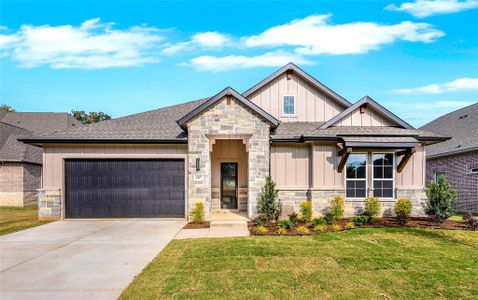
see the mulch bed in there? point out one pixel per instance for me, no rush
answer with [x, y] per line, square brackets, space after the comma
[376, 223]
[192, 225]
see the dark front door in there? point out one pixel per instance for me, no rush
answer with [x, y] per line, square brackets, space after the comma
[229, 185]
[124, 188]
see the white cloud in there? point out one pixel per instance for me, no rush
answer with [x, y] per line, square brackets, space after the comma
[426, 8]
[315, 35]
[461, 84]
[92, 45]
[208, 40]
[225, 63]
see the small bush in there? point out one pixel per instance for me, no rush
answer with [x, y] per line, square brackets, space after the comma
[267, 203]
[319, 221]
[286, 224]
[471, 221]
[403, 209]
[360, 220]
[440, 199]
[302, 230]
[262, 219]
[372, 207]
[281, 231]
[335, 227]
[306, 211]
[349, 225]
[262, 229]
[197, 213]
[336, 209]
[329, 218]
[294, 217]
[320, 228]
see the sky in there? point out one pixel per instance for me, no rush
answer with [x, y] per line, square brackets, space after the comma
[418, 58]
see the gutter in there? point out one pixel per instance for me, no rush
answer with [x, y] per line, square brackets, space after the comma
[35, 142]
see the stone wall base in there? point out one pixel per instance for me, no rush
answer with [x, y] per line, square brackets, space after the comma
[49, 204]
[20, 199]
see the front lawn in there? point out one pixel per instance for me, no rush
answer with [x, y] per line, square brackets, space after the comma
[18, 218]
[372, 263]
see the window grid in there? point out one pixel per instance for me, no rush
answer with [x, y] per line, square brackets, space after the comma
[383, 178]
[356, 176]
[288, 105]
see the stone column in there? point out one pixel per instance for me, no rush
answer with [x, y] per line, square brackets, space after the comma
[49, 204]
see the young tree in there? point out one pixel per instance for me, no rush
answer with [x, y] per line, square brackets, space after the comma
[91, 117]
[440, 199]
[268, 204]
[7, 108]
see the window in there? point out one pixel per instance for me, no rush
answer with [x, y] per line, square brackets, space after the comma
[474, 170]
[383, 175]
[356, 176]
[288, 105]
[438, 175]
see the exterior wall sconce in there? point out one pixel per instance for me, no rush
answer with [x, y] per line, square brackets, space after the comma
[198, 164]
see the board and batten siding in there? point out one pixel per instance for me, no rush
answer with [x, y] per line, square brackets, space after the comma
[311, 104]
[54, 155]
[413, 176]
[290, 166]
[368, 118]
[228, 151]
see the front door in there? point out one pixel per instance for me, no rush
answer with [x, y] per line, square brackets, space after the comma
[229, 185]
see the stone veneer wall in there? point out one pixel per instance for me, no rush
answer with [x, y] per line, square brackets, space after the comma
[226, 118]
[49, 204]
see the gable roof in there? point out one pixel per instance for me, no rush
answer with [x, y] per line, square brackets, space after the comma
[39, 122]
[11, 150]
[227, 92]
[372, 103]
[461, 125]
[314, 82]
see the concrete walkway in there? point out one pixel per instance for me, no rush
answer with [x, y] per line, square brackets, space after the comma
[223, 224]
[79, 259]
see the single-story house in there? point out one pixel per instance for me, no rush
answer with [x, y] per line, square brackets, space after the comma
[314, 143]
[457, 158]
[21, 164]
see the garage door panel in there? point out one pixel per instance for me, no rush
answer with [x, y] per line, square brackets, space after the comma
[124, 188]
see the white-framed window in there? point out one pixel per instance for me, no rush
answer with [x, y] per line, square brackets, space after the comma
[288, 105]
[474, 170]
[356, 176]
[383, 179]
[438, 175]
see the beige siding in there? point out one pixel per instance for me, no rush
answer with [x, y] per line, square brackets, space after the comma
[229, 151]
[413, 175]
[290, 166]
[54, 155]
[311, 104]
[368, 118]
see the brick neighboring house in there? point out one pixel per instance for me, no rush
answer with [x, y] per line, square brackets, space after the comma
[457, 158]
[21, 164]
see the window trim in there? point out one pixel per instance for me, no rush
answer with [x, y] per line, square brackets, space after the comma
[435, 175]
[388, 179]
[283, 106]
[471, 170]
[355, 179]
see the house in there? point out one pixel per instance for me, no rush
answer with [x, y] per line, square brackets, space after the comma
[219, 150]
[21, 164]
[457, 158]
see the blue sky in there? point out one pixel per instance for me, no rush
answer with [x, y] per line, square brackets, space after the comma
[418, 58]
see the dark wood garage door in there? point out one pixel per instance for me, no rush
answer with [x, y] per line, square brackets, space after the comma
[117, 188]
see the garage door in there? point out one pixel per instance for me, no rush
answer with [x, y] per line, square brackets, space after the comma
[116, 188]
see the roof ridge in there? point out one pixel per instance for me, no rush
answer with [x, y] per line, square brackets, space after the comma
[448, 113]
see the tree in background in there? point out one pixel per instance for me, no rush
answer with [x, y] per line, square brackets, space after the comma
[91, 117]
[7, 108]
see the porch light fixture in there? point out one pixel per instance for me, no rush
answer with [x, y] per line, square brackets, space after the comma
[198, 166]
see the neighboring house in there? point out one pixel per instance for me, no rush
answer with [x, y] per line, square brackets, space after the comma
[457, 158]
[219, 150]
[21, 164]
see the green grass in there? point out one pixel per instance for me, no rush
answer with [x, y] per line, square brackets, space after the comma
[18, 218]
[398, 263]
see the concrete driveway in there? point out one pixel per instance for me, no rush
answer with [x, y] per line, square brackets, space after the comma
[79, 259]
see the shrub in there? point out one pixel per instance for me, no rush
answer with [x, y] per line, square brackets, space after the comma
[262, 229]
[262, 219]
[349, 225]
[306, 211]
[335, 227]
[197, 213]
[440, 199]
[360, 220]
[471, 220]
[319, 221]
[372, 207]
[281, 231]
[320, 228]
[336, 210]
[267, 203]
[287, 224]
[302, 230]
[403, 209]
[294, 217]
[329, 218]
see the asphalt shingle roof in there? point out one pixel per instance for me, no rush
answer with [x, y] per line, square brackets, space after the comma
[461, 125]
[13, 150]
